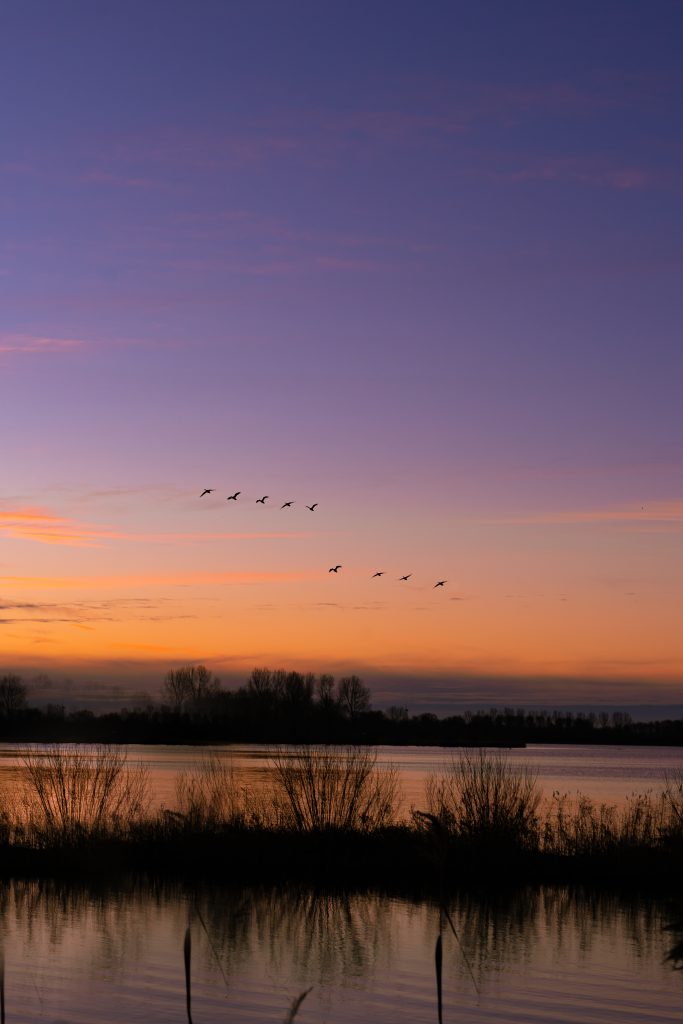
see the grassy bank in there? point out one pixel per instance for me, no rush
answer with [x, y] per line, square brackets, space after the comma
[330, 818]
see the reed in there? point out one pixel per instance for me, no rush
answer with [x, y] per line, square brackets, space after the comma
[208, 797]
[579, 827]
[438, 964]
[482, 797]
[68, 795]
[295, 1006]
[673, 797]
[187, 959]
[333, 788]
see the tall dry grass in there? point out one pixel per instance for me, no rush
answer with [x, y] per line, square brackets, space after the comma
[673, 796]
[68, 794]
[577, 826]
[480, 796]
[208, 797]
[316, 789]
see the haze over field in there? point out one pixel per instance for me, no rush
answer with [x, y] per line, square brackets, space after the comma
[418, 265]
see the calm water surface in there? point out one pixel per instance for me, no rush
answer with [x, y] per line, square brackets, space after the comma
[542, 955]
[605, 773]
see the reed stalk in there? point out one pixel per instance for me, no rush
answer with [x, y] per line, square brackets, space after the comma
[482, 797]
[208, 797]
[333, 788]
[70, 794]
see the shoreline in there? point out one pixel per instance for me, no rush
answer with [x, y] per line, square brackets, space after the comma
[400, 859]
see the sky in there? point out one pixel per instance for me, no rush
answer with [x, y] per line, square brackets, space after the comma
[418, 263]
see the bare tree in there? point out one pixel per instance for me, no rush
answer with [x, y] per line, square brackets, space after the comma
[187, 687]
[354, 696]
[298, 689]
[260, 683]
[12, 695]
[326, 691]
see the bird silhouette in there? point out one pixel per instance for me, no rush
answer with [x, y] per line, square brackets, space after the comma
[312, 507]
[439, 584]
[207, 490]
[287, 504]
[262, 501]
[378, 574]
[406, 577]
[233, 497]
[334, 568]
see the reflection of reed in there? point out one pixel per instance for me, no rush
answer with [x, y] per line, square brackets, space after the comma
[323, 937]
[501, 929]
[48, 910]
[674, 954]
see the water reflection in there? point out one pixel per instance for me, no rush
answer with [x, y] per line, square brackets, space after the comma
[675, 953]
[99, 954]
[506, 930]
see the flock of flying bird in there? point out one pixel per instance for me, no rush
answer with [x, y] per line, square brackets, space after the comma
[312, 508]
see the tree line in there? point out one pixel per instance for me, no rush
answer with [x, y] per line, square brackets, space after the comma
[280, 706]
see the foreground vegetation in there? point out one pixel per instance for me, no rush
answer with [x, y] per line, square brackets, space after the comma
[330, 815]
[291, 707]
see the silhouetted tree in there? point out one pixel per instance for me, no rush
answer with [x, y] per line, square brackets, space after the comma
[187, 687]
[397, 713]
[260, 683]
[354, 696]
[326, 691]
[12, 695]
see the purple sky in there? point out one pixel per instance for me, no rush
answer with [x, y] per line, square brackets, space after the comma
[420, 263]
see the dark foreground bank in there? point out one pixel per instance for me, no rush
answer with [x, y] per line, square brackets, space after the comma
[401, 860]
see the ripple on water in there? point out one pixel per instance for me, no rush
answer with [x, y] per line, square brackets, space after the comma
[539, 955]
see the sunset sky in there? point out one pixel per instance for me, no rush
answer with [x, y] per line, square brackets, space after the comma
[419, 263]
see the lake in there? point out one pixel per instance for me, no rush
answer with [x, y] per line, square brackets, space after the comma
[605, 773]
[545, 955]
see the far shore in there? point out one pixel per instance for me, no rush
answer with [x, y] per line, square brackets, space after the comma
[287, 707]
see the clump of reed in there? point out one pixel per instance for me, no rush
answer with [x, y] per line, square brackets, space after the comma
[69, 794]
[579, 827]
[317, 789]
[481, 798]
[209, 799]
[673, 797]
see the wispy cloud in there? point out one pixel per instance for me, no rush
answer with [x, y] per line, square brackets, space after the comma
[651, 516]
[25, 344]
[590, 171]
[84, 612]
[97, 177]
[46, 527]
[127, 581]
